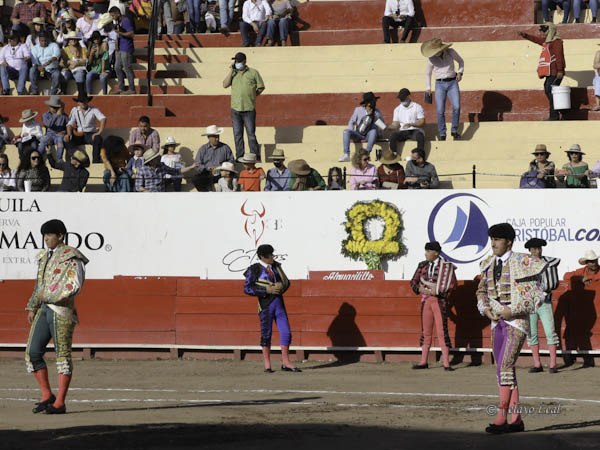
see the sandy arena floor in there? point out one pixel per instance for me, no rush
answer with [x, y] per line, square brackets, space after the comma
[234, 405]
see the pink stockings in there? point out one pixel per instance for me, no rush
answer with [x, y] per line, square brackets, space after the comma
[432, 315]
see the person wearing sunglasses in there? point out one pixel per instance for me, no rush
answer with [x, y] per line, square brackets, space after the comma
[363, 175]
[33, 169]
[8, 178]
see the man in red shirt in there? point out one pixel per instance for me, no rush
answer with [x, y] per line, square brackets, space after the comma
[552, 63]
[24, 13]
[590, 272]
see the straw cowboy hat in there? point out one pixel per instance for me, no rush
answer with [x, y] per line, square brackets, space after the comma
[589, 255]
[104, 20]
[228, 166]
[430, 48]
[38, 21]
[575, 148]
[149, 155]
[66, 17]
[54, 101]
[389, 158]
[299, 167]
[212, 130]
[135, 145]
[248, 158]
[541, 148]
[277, 155]
[80, 156]
[72, 36]
[27, 115]
[170, 140]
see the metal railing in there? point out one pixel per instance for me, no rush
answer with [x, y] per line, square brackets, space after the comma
[152, 33]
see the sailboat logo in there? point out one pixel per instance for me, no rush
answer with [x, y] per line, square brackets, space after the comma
[459, 224]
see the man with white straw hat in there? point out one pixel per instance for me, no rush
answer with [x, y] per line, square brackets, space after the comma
[278, 177]
[251, 176]
[31, 132]
[55, 120]
[44, 63]
[209, 157]
[440, 63]
[590, 273]
[151, 177]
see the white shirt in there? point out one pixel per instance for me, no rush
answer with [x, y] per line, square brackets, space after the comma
[409, 114]
[85, 121]
[256, 12]
[400, 7]
[15, 56]
[173, 161]
[8, 179]
[32, 129]
[85, 28]
[443, 67]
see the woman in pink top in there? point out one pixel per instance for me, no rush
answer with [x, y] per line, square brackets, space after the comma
[363, 175]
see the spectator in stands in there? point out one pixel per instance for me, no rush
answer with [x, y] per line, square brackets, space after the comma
[45, 64]
[75, 175]
[98, 63]
[60, 10]
[31, 132]
[8, 177]
[579, 5]
[419, 173]
[590, 273]
[282, 15]
[82, 129]
[279, 176]
[227, 182]
[24, 13]
[363, 175]
[440, 63]
[74, 62]
[251, 176]
[209, 157]
[174, 16]
[136, 161]
[226, 14]
[362, 125]
[304, 177]
[32, 171]
[38, 27]
[88, 23]
[547, 5]
[596, 82]
[552, 63]
[171, 159]
[335, 179]
[107, 30]
[151, 177]
[398, 13]
[141, 12]
[4, 139]
[145, 134]
[575, 170]
[14, 60]
[100, 6]
[115, 157]
[246, 84]
[409, 118]
[62, 30]
[196, 9]
[543, 167]
[124, 54]
[55, 120]
[390, 172]
[256, 15]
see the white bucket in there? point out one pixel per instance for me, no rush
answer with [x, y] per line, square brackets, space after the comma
[562, 97]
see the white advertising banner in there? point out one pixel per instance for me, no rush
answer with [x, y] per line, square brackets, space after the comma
[215, 235]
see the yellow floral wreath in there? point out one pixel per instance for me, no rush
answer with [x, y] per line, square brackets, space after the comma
[358, 247]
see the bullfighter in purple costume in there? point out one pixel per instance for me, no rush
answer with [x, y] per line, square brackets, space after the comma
[267, 281]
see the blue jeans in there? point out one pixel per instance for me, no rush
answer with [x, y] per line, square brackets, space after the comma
[226, 11]
[56, 139]
[577, 7]
[10, 73]
[354, 136]
[122, 183]
[241, 120]
[55, 77]
[267, 27]
[445, 89]
[31, 144]
[546, 4]
[91, 76]
[284, 26]
[194, 13]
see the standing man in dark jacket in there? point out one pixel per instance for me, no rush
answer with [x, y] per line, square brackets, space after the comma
[552, 63]
[267, 281]
[75, 175]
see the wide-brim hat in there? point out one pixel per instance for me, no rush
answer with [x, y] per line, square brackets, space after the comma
[277, 155]
[27, 115]
[575, 148]
[435, 45]
[82, 98]
[149, 155]
[132, 147]
[38, 21]
[389, 157]
[212, 130]
[72, 36]
[170, 140]
[368, 97]
[540, 148]
[299, 167]
[80, 156]
[104, 20]
[589, 255]
[249, 158]
[54, 101]
[228, 166]
[66, 17]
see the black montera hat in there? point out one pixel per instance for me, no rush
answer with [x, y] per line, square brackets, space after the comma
[536, 243]
[264, 250]
[502, 231]
[434, 245]
[54, 226]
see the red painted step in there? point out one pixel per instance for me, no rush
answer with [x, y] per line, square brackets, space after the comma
[141, 74]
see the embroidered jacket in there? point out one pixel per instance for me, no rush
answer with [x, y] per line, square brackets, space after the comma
[59, 279]
[518, 288]
[441, 281]
[257, 280]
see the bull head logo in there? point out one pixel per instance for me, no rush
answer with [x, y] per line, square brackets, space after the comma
[254, 226]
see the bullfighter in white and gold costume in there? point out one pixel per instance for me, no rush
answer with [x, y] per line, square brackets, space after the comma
[508, 292]
[52, 314]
